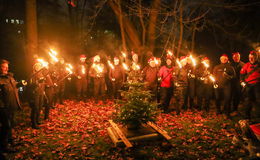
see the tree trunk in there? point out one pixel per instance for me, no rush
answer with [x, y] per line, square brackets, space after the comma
[31, 33]
[152, 24]
[128, 27]
[181, 29]
[122, 27]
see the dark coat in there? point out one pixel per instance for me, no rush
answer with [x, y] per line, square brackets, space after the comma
[9, 93]
[224, 73]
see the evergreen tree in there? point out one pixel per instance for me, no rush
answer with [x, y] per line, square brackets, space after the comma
[136, 107]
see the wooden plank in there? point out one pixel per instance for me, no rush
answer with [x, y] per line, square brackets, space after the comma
[120, 134]
[114, 131]
[112, 136]
[143, 137]
[159, 130]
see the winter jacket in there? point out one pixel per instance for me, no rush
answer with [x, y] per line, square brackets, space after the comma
[117, 73]
[150, 75]
[9, 98]
[224, 73]
[246, 75]
[166, 76]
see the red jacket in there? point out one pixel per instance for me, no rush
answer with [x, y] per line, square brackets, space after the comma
[166, 76]
[253, 77]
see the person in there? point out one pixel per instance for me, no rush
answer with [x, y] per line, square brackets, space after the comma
[82, 78]
[250, 75]
[150, 73]
[180, 85]
[36, 103]
[236, 87]
[191, 88]
[62, 73]
[49, 90]
[204, 88]
[117, 77]
[9, 104]
[134, 75]
[224, 73]
[97, 71]
[166, 78]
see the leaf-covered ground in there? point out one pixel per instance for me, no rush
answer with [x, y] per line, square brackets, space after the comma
[78, 130]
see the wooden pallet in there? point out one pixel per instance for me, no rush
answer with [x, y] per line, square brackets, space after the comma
[123, 136]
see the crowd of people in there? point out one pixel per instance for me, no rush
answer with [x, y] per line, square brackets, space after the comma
[184, 83]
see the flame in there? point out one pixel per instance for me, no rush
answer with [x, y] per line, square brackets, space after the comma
[110, 64]
[178, 62]
[83, 69]
[98, 68]
[53, 55]
[193, 60]
[69, 65]
[125, 66]
[169, 52]
[43, 63]
[53, 52]
[156, 61]
[69, 68]
[123, 54]
[205, 64]
[136, 67]
[212, 78]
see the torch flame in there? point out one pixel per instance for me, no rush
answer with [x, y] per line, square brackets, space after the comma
[169, 53]
[69, 65]
[156, 61]
[53, 55]
[125, 67]
[123, 54]
[205, 64]
[99, 68]
[179, 63]
[69, 68]
[136, 67]
[83, 69]
[212, 78]
[110, 64]
[43, 63]
[53, 52]
[193, 60]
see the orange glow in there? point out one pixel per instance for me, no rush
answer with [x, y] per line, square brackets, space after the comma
[125, 66]
[110, 64]
[193, 61]
[43, 63]
[53, 55]
[179, 63]
[205, 64]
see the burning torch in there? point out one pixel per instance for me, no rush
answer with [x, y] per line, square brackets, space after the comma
[178, 62]
[110, 64]
[125, 66]
[193, 60]
[53, 54]
[124, 54]
[69, 70]
[215, 85]
[44, 65]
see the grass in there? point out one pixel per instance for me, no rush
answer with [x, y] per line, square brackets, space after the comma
[77, 130]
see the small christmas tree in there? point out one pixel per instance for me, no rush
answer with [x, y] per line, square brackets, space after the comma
[136, 107]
